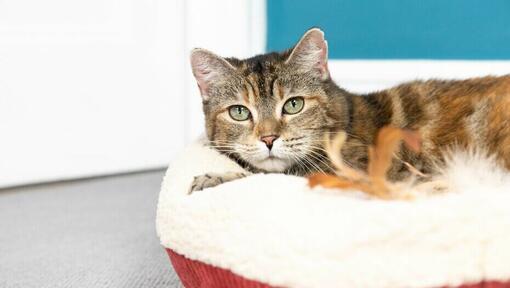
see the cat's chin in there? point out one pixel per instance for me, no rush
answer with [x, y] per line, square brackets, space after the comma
[272, 164]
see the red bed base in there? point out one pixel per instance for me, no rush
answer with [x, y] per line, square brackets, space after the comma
[196, 274]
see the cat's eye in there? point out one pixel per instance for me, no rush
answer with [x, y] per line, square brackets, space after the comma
[239, 112]
[293, 105]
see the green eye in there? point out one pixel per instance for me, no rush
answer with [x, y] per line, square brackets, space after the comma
[293, 105]
[239, 112]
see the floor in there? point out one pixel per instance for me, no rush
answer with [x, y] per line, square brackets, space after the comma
[86, 233]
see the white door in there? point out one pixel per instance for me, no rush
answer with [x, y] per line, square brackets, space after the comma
[89, 87]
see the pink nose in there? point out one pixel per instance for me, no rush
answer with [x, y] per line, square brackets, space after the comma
[268, 140]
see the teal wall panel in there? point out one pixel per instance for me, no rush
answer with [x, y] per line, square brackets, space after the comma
[396, 29]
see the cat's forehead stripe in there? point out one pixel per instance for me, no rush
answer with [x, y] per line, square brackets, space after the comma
[264, 86]
[255, 89]
[277, 89]
[246, 93]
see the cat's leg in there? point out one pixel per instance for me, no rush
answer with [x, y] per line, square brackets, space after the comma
[214, 179]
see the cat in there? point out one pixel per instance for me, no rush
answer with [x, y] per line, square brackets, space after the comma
[270, 113]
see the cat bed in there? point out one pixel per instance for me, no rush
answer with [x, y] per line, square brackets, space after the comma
[272, 230]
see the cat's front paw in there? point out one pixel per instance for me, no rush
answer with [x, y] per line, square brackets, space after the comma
[211, 180]
[205, 181]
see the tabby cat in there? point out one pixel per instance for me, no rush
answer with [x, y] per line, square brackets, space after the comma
[271, 112]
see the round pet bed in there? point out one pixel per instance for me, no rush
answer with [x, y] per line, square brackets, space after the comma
[272, 230]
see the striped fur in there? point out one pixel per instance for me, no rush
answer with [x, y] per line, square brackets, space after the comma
[470, 114]
[466, 114]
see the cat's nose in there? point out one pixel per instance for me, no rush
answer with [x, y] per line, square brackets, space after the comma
[268, 140]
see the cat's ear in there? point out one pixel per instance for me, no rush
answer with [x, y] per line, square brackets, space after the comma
[208, 68]
[311, 54]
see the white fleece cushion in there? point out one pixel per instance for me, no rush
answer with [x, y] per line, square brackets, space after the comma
[274, 229]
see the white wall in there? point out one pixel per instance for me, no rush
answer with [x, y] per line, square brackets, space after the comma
[371, 75]
[89, 87]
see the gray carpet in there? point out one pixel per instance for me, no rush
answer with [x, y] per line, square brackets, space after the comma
[87, 233]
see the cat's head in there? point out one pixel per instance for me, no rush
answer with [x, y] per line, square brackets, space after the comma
[269, 110]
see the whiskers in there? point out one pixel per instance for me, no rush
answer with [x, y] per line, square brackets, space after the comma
[308, 158]
[303, 154]
[321, 138]
[234, 148]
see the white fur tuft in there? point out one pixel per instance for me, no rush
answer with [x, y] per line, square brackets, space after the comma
[467, 171]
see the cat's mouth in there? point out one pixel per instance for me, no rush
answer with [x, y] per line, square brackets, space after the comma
[269, 160]
[272, 164]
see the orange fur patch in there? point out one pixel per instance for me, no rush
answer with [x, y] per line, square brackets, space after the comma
[380, 155]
